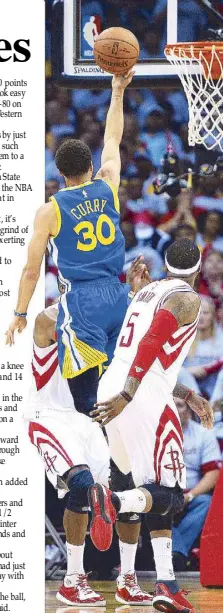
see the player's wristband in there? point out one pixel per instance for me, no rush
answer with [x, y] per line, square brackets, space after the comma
[126, 396]
[188, 395]
[19, 314]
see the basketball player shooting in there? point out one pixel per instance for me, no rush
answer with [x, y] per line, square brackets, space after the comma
[142, 421]
[81, 226]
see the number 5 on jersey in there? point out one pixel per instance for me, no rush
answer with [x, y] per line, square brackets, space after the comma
[91, 236]
[129, 331]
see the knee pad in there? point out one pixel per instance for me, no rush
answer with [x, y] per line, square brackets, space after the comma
[78, 484]
[165, 499]
[159, 522]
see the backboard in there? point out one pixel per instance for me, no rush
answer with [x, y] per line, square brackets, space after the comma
[74, 24]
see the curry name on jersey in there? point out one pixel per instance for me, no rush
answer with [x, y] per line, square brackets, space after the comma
[89, 243]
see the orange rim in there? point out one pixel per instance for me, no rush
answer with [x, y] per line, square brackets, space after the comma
[205, 52]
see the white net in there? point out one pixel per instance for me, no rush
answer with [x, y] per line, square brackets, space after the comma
[201, 75]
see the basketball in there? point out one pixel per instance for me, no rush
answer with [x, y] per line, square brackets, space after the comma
[116, 50]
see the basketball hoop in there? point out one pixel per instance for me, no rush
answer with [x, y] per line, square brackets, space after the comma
[200, 68]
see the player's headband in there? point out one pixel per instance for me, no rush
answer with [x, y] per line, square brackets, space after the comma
[185, 272]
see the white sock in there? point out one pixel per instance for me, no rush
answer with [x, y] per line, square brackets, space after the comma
[132, 500]
[162, 551]
[127, 557]
[75, 559]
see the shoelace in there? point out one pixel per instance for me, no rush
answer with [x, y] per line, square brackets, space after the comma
[131, 581]
[83, 584]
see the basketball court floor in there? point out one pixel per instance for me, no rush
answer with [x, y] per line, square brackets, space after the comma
[204, 600]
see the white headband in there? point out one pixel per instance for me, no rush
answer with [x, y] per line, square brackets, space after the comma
[185, 272]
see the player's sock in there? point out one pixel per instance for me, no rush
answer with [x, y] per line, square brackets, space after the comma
[130, 500]
[127, 557]
[162, 551]
[75, 560]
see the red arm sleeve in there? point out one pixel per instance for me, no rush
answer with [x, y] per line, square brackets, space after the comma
[163, 326]
[214, 367]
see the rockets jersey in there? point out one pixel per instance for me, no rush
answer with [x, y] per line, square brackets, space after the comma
[137, 322]
[89, 243]
[48, 390]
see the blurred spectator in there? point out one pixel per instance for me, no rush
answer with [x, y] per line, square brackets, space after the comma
[138, 206]
[127, 166]
[90, 99]
[189, 152]
[211, 280]
[207, 349]
[131, 132]
[202, 460]
[51, 187]
[123, 199]
[151, 258]
[211, 231]
[144, 168]
[184, 231]
[157, 135]
[152, 237]
[151, 47]
[93, 138]
[51, 288]
[51, 171]
[206, 197]
[179, 213]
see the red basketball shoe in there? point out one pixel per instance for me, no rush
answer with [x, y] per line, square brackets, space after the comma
[80, 594]
[129, 592]
[103, 516]
[165, 601]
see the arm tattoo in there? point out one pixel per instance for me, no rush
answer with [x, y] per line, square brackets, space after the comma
[131, 386]
[184, 306]
[180, 391]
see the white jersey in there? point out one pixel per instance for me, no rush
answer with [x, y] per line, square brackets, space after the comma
[49, 390]
[62, 436]
[138, 320]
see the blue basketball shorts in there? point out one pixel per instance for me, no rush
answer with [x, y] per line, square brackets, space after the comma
[89, 321]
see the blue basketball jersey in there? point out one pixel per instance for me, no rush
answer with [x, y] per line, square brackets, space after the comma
[89, 243]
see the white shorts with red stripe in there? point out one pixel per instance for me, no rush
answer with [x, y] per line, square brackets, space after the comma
[65, 439]
[146, 438]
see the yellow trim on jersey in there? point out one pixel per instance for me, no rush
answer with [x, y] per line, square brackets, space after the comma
[92, 357]
[58, 214]
[114, 192]
[64, 189]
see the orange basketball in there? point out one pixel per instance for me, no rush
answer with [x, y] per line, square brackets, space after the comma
[116, 50]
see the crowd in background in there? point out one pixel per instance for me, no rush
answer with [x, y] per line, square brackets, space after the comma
[156, 122]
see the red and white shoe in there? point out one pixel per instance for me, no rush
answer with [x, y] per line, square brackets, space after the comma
[81, 594]
[129, 592]
[165, 601]
[103, 516]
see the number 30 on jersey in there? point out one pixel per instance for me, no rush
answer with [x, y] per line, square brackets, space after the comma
[92, 235]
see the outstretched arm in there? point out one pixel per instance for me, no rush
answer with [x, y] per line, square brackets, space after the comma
[44, 225]
[110, 159]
